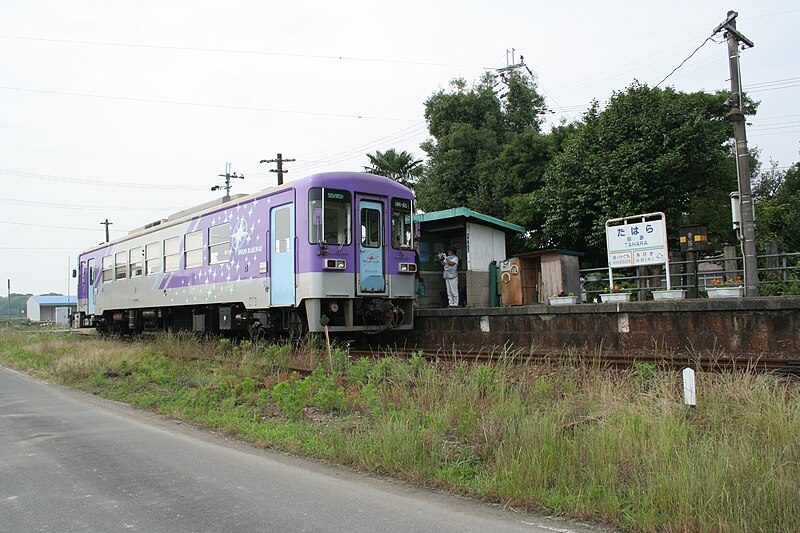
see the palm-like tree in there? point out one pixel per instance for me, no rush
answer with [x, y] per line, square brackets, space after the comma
[399, 166]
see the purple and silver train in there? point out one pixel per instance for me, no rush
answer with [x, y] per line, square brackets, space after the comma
[332, 249]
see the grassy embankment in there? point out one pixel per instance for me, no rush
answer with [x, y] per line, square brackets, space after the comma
[566, 438]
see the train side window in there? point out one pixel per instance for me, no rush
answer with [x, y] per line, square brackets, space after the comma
[120, 265]
[172, 254]
[136, 262]
[108, 268]
[370, 228]
[329, 223]
[193, 246]
[219, 244]
[401, 223]
[283, 230]
[152, 258]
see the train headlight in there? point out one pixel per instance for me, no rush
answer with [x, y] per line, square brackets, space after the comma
[333, 306]
[335, 264]
[408, 267]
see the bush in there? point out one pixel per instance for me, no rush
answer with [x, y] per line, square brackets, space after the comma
[317, 390]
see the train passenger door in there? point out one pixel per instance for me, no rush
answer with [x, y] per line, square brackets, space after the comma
[282, 271]
[90, 287]
[371, 260]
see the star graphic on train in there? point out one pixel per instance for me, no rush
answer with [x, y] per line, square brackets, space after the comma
[240, 234]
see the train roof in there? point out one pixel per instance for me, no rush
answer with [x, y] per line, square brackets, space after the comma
[327, 179]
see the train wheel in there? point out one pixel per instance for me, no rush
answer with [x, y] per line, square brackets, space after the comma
[297, 328]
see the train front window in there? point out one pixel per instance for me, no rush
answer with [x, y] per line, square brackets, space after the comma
[401, 223]
[329, 222]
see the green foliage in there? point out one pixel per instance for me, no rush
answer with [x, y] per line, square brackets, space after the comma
[16, 307]
[262, 359]
[645, 372]
[359, 371]
[565, 438]
[317, 390]
[399, 166]
[776, 207]
[472, 162]
[649, 150]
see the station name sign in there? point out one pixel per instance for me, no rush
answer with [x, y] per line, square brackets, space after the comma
[636, 243]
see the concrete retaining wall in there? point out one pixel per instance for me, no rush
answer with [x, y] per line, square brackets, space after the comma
[736, 327]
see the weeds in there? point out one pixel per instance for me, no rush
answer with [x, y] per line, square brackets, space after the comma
[567, 437]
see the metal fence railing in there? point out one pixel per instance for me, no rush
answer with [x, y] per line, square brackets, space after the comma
[777, 274]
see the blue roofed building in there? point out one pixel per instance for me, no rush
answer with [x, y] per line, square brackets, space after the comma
[56, 309]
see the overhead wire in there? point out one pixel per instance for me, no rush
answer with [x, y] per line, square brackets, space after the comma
[59, 227]
[709, 38]
[201, 104]
[95, 183]
[246, 52]
[49, 205]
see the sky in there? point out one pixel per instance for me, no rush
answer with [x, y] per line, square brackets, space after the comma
[129, 111]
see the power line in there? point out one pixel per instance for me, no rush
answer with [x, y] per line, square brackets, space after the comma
[247, 52]
[643, 58]
[44, 249]
[56, 227]
[200, 104]
[709, 38]
[94, 183]
[31, 203]
[797, 78]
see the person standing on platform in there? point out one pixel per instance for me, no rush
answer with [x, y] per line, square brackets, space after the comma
[450, 263]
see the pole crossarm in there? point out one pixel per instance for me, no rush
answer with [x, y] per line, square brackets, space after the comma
[280, 170]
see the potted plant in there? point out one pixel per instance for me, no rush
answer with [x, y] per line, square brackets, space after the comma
[669, 294]
[563, 298]
[615, 294]
[727, 287]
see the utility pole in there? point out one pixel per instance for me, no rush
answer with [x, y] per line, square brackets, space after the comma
[280, 160]
[736, 115]
[228, 176]
[106, 224]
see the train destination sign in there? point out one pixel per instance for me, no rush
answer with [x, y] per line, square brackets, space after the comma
[637, 241]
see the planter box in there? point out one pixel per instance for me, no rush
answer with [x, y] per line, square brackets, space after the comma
[672, 294]
[563, 300]
[615, 297]
[725, 292]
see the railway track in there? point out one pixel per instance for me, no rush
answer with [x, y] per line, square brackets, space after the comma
[709, 362]
[674, 361]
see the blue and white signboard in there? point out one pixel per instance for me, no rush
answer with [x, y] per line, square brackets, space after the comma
[635, 241]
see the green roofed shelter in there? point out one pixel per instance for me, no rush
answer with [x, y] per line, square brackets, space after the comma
[479, 239]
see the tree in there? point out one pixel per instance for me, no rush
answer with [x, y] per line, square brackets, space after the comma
[472, 129]
[399, 166]
[777, 213]
[650, 150]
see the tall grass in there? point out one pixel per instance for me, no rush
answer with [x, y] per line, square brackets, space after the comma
[568, 436]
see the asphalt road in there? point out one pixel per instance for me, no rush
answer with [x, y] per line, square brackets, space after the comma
[73, 462]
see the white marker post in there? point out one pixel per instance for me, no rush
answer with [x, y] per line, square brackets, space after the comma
[689, 394]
